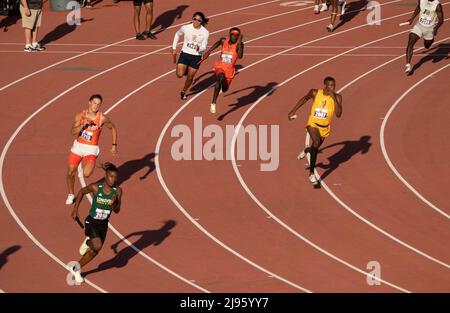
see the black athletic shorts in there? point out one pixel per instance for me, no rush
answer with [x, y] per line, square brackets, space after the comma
[95, 228]
[189, 59]
[138, 3]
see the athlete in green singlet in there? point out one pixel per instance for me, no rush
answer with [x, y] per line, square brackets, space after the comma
[106, 199]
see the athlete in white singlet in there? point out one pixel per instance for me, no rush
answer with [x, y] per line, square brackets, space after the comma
[430, 19]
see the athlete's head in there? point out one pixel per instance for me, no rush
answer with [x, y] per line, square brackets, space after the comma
[329, 83]
[111, 174]
[234, 34]
[199, 19]
[94, 103]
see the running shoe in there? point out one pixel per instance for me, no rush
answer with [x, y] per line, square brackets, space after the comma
[324, 8]
[38, 47]
[70, 199]
[212, 109]
[29, 48]
[330, 28]
[316, 9]
[408, 68]
[301, 155]
[140, 36]
[313, 180]
[183, 95]
[77, 275]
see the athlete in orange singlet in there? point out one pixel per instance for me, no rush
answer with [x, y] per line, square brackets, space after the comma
[232, 50]
[87, 127]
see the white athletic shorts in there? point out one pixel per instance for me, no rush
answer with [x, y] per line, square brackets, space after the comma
[83, 150]
[423, 31]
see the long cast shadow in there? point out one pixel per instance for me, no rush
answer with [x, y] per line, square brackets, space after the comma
[129, 168]
[167, 18]
[144, 239]
[254, 95]
[60, 31]
[435, 55]
[352, 11]
[6, 253]
[348, 150]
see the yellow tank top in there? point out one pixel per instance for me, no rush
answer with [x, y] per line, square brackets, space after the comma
[322, 109]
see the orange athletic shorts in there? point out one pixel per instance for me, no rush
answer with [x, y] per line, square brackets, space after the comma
[75, 159]
[227, 71]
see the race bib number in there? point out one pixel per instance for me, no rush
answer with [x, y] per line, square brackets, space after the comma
[101, 214]
[227, 58]
[320, 113]
[192, 45]
[425, 21]
[87, 135]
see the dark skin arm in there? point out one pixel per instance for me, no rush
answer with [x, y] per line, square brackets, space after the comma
[440, 15]
[216, 45]
[416, 12]
[338, 101]
[118, 201]
[240, 47]
[310, 95]
[92, 188]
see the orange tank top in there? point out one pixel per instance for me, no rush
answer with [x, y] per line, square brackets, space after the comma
[91, 134]
[229, 55]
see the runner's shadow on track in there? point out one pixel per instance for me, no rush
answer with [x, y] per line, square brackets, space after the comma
[435, 54]
[166, 19]
[201, 84]
[8, 21]
[257, 92]
[129, 168]
[349, 149]
[352, 11]
[144, 239]
[6, 253]
[60, 31]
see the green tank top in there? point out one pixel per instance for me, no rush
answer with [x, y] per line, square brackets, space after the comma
[102, 204]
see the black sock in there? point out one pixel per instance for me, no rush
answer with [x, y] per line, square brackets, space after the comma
[313, 151]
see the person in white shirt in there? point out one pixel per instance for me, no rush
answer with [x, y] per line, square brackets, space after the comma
[195, 42]
[430, 19]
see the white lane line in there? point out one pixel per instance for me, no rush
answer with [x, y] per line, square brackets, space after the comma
[184, 211]
[328, 189]
[25, 122]
[143, 254]
[14, 135]
[19, 222]
[119, 42]
[386, 156]
[260, 204]
[246, 47]
[247, 54]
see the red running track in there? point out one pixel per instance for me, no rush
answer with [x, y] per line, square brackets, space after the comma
[223, 241]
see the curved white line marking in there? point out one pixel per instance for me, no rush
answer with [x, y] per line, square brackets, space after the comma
[119, 42]
[323, 183]
[181, 208]
[260, 204]
[386, 156]
[146, 256]
[24, 123]
[6, 148]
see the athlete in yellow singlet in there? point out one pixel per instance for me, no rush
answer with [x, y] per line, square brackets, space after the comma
[326, 103]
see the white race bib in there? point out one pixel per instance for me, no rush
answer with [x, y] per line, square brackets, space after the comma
[320, 113]
[101, 214]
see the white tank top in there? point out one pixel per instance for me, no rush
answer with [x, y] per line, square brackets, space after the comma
[428, 14]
